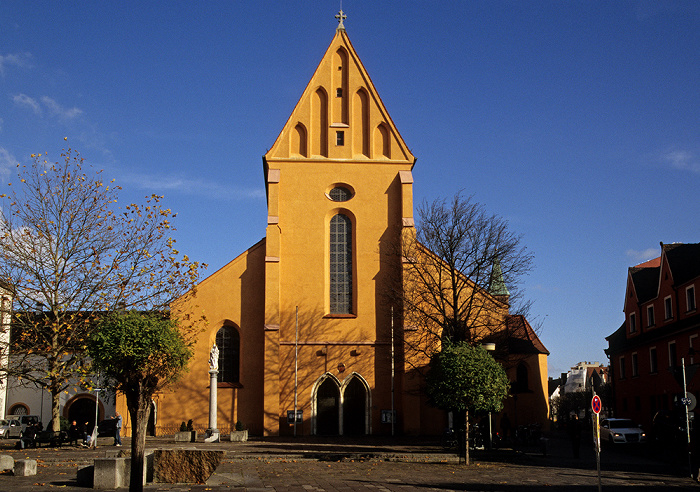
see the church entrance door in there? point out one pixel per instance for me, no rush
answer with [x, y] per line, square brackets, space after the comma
[354, 408]
[327, 408]
[82, 410]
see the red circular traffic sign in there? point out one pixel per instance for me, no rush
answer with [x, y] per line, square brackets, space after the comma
[596, 404]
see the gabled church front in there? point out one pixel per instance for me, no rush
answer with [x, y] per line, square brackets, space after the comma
[300, 319]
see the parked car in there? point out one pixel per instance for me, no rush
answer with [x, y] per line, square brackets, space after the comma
[10, 428]
[621, 431]
[24, 420]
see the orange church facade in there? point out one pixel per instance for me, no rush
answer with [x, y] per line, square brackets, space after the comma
[300, 318]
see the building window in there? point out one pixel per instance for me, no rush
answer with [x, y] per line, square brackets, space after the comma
[229, 342]
[340, 138]
[21, 409]
[622, 368]
[690, 298]
[339, 92]
[672, 357]
[341, 265]
[340, 194]
[668, 309]
[633, 322]
[650, 315]
[692, 344]
[653, 364]
[635, 365]
[521, 379]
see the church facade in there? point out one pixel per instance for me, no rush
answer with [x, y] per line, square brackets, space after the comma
[308, 344]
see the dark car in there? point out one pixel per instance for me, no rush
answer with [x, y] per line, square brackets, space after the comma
[107, 428]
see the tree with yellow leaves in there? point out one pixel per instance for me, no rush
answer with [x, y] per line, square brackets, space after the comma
[69, 253]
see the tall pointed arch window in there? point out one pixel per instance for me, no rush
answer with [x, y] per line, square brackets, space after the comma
[229, 342]
[341, 265]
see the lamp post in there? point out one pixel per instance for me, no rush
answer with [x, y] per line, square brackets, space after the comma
[489, 347]
[686, 404]
[93, 439]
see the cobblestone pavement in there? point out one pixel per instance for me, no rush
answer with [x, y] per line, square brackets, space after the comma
[310, 465]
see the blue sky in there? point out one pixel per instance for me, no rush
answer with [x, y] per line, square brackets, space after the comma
[577, 121]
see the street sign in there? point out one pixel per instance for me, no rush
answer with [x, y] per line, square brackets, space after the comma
[299, 415]
[596, 404]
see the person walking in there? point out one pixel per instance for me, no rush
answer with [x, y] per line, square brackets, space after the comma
[118, 429]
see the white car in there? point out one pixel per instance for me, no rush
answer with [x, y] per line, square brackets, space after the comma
[10, 428]
[621, 431]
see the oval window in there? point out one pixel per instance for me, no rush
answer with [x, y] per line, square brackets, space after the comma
[340, 194]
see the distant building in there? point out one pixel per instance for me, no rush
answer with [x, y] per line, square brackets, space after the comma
[584, 376]
[659, 335]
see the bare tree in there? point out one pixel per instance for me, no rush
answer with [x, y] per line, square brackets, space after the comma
[456, 266]
[69, 253]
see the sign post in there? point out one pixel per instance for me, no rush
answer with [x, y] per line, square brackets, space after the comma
[596, 406]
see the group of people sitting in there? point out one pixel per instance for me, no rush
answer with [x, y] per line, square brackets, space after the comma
[77, 435]
[29, 435]
[82, 433]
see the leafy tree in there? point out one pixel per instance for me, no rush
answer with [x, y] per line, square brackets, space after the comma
[456, 266]
[68, 252]
[140, 353]
[463, 378]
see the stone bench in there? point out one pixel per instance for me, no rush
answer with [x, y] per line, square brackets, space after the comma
[161, 465]
[7, 462]
[115, 472]
[184, 465]
[25, 468]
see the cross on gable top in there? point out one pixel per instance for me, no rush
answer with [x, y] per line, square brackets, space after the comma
[341, 17]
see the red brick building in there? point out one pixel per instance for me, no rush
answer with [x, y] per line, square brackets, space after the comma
[660, 332]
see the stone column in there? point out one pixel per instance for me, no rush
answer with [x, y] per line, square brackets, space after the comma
[212, 431]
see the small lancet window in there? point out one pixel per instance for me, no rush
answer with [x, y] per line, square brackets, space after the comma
[340, 138]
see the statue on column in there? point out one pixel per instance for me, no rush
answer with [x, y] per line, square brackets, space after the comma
[214, 358]
[212, 431]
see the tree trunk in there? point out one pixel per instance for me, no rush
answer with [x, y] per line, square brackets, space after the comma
[55, 410]
[139, 409]
[55, 390]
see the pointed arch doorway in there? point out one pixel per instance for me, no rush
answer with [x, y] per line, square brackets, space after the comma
[341, 409]
[328, 407]
[355, 405]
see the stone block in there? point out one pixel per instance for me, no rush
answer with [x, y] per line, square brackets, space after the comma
[186, 436]
[115, 472]
[25, 468]
[239, 436]
[7, 462]
[110, 473]
[184, 465]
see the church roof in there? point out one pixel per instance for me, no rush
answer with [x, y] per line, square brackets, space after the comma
[517, 337]
[498, 285]
[340, 98]
[522, 339]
